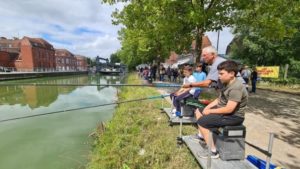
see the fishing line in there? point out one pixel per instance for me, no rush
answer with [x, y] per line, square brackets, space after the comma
[106, 85]
[62, 111]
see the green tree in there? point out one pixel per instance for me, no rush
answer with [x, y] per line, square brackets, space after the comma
[154, 28]
[91, 62]
[267, 33]
[114, 58]
[276, 19]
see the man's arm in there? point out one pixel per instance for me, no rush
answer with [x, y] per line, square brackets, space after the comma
[204, 83]
[229, 108]
[212, 104]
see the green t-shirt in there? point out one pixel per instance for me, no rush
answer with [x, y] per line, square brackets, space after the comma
[237, 92]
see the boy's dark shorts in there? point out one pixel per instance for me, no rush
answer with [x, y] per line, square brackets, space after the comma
[219, 120]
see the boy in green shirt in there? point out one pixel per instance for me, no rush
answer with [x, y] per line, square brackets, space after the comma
[227, 109]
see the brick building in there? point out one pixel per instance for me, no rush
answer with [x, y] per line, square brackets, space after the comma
[33, 54]
[205, 42]
[7, 59]
[9, 52]
[81, 63]
[65, 60]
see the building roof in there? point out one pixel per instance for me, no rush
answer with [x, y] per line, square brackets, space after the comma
[205, 42]
[10, 45]
[63, 53]
[14, 45]
[80, 57]
[38, 42]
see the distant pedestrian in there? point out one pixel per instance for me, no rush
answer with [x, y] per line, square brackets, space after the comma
[153, 72]
[169, 73]
[162, 72]
[141, 70]
[253, 80]
[146, 73]
[175, 74]
[246, 73]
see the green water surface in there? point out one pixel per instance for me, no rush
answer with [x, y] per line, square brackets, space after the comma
[57, 141]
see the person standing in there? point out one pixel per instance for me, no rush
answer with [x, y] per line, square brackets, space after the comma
[253, 80]
[246, 73]
[162, 72]
[153, 72]
[169, 73]
[175, 74]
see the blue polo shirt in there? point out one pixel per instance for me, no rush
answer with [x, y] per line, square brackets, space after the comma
[200, 76]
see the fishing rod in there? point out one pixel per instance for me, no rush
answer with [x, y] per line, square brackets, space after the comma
[106, 104]
[107, 85]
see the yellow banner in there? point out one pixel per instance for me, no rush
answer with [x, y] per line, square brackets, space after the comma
[268, 71]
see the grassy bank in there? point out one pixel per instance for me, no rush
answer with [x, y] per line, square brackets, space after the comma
[138, 136]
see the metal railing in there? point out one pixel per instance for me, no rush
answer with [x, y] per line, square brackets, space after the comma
[39, 69]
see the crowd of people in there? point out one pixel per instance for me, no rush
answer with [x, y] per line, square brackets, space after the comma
[169, 74]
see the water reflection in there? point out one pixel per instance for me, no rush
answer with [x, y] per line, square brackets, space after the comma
[54, 141]
[37, 96]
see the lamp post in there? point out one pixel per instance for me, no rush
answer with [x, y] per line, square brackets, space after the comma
[218, 41]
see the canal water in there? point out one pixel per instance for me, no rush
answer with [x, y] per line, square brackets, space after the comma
[57, 141]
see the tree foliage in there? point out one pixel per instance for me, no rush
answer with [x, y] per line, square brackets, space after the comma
[267, 33]
[114, 58]
[154, 28]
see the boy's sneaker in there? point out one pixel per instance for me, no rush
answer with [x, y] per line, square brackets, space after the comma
[174, 111]
[199, 140]
[205, 154]
[178, 113]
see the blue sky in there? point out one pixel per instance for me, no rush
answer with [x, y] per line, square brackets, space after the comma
[80, 26]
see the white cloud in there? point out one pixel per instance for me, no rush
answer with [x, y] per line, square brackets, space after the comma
[57, 22]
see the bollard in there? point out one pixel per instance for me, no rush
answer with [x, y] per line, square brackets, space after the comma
[270, 146]
[208, 164]
[179, 139]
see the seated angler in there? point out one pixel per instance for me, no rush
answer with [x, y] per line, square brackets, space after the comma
[199, 76]
[183, 93]
[227, 109]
